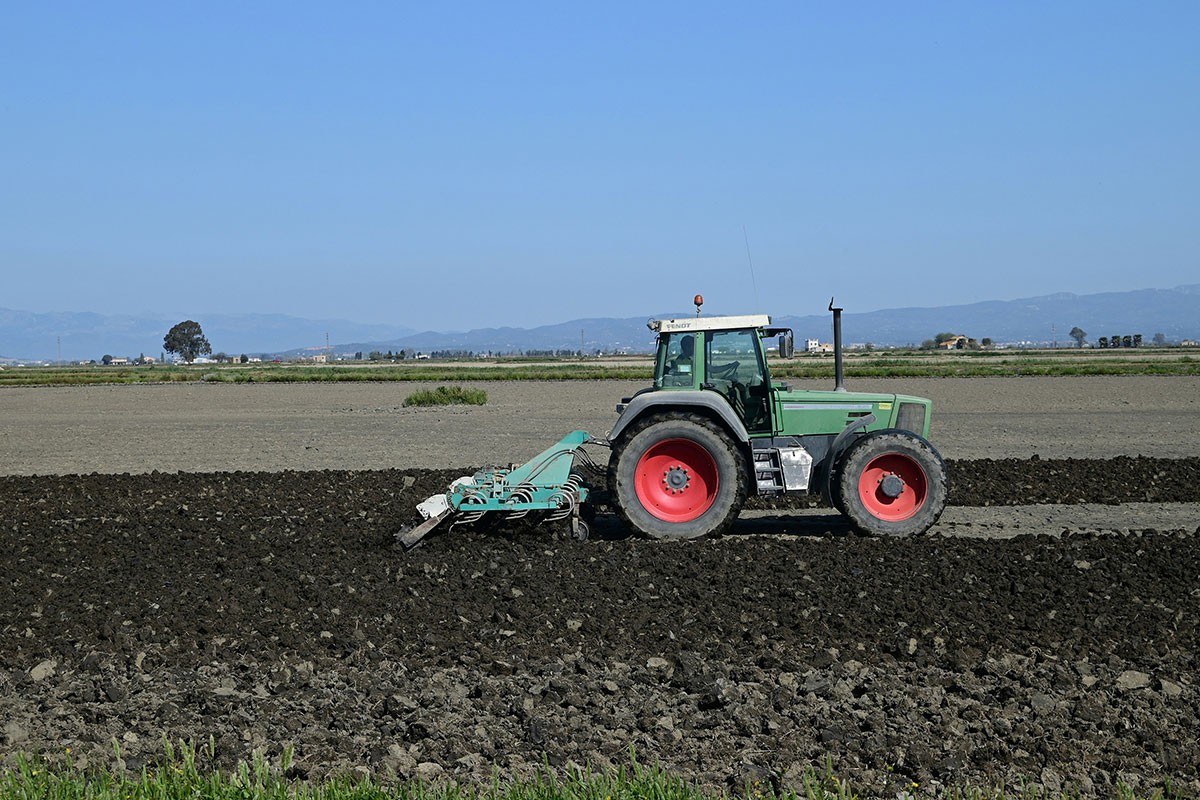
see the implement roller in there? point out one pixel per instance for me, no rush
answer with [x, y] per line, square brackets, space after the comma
[714, 429]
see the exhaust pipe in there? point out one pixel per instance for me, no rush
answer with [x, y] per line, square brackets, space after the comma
[839, 377]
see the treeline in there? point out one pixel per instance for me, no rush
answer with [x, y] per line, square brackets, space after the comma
[1134, 340]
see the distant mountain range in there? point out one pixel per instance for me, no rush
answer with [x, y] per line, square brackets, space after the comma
[1175, 313]
[1036, 320]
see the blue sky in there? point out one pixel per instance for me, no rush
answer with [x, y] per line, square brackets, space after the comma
[458, 165]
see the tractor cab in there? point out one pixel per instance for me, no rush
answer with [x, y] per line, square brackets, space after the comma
[724, 355]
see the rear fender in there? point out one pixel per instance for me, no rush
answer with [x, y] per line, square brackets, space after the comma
[711, 403]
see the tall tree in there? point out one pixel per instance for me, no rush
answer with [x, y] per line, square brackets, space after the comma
[187, 341]
[1079, 335]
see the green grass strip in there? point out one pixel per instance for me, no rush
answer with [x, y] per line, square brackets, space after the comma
[893, 364]
[179, 776]
[447, 396]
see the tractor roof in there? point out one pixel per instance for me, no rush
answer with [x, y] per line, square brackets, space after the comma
[709, 323]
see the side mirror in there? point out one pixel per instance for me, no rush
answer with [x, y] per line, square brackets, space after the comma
[787, 347]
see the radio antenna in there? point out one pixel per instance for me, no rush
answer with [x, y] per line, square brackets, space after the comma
[750, 261]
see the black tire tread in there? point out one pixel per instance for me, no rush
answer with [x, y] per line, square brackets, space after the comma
[867, 447]
[692, 530]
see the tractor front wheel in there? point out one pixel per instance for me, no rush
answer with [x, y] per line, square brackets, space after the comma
[891, 483]
[677, 478]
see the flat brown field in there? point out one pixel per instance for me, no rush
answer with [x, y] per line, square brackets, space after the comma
[271, 427]
[1043, 634]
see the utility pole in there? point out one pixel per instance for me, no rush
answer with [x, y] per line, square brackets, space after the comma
[59, 349]
[581, 342]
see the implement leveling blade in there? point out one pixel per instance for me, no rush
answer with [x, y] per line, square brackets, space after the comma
[544, 484]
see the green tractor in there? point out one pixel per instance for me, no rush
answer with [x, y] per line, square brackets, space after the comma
[713, 429]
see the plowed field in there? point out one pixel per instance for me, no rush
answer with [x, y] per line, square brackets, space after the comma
[1055, 643]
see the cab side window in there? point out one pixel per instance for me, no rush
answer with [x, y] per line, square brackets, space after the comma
[680, 367]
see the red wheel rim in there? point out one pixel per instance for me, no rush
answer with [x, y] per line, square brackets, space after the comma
[677, 480]
[871, 487]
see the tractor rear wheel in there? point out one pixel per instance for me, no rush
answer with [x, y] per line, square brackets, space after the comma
[677, 478]
[891, 483]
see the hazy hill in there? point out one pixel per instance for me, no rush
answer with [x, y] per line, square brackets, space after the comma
[1172, 312]
[610, 335]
